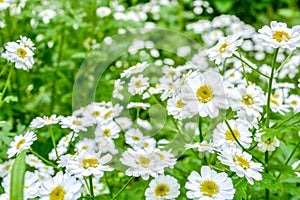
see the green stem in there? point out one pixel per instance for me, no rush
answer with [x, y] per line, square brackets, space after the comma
[44, 159]
[244, 70]
[236, 56]
[147, 183]
[285, 61]
[6, 84]
[53, 141]
[91, 186]
[268, 110]
[200, 129]
[123, 188]
[289, 158]
[244, 149]
[108, 185]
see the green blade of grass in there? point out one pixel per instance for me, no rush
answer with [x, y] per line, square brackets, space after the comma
[17, 177]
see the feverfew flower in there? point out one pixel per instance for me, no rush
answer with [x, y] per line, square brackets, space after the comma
[19, 54]
[202, 147]
[269, 144]
[142, 163]
[204, 94]
[40, 122]
[248, 99]
[209, 185]
[163, 187]
[224, 49]
[223, 138]
[278, 35]
[138, 85]
[20, 143]
[4, 4]
[138, 105]
[138, 68]
[61, 186]
[118, 87]
[75, 123]
[103, 11]
[89, 163]
[5, 168]
[241, 163]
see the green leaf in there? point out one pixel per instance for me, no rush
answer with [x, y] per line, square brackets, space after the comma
[240, 186]
[17, 177]
[268, 181]
[223, 6]
[10, 98]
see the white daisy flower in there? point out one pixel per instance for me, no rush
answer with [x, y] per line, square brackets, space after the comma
[106, 146]
[266, 145]
[202, 147]
[110, 112]
[4, 4]
[108, 131]
[241, 163]
[118, 87]
[6, 167]
[47, 15]
[142, 163]
[86, 144]
[40, 122]
[61, 186]
[134, 137]
[209, 185]
[163, 187]
[223, 138]
[247, 98]
[294, 102]
[31, 185]
[89, 163]
[224, 49]
[20, 143]
[138, 68]
[276, 104]
[19, 54]
[138, 105]
[75, 123]
[144, 124]
[124, 122]
[34, 161]
[177, 108]
[279, 35]
[103, 11]
[138, 85]
[204, 94]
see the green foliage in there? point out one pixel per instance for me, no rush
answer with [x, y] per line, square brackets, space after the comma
[17, 177]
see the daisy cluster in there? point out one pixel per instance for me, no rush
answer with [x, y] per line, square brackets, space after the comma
[217, 119]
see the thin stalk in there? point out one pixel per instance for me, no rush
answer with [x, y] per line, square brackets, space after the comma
[285, 61]
[91, 187]
[244, 149]
[44, 159]
[200, 129]
[123, 188]
[108, 185]
[53, 141]
[244, 70]
[268, 110]
[6, 84]
[250, 66]
[147, 183]
[289, 158]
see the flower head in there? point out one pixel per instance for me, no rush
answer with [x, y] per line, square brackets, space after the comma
[20, 143]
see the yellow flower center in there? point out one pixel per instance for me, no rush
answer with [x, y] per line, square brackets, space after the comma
[144, 161]
[179, 104]
[106, 132]
[108, 114]
[280, 36]
[76, 122]
[89, 162]
[204, 94]
[273, 101]
[161, 156]
[96, 114]
[209, 188]
[1, 1]
[20, 143]
[57, 193]
[21, 53]
[294, 102]
[136, 138]
[269, 141]
[229, 135]
[34, 161]
[223, 47]
[248, 100]
[85, 147]
[161, 190]
[138, 84]
[242, 161]
[276, 96]
[146, 144]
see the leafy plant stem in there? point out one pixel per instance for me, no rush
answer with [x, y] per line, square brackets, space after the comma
[91, 187]
[6, 84]
[123, 188]
[53, 141]
[44, 159]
